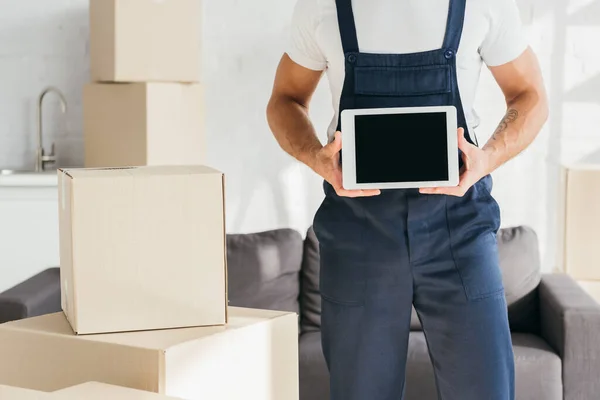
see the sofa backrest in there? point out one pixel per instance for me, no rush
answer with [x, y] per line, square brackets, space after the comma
[263, 269]
[519, 262]
[279, 270]
[519, 254]
[310, 297]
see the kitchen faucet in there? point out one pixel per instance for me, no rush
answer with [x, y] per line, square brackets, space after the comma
[41, 158]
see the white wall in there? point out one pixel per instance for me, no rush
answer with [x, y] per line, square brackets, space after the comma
[41, 43]
[45, 42]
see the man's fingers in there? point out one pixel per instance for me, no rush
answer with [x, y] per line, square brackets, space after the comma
[466, 181]
[356, 193]
[458, 191]
[463, 143]
[368, 193]
[461, 137]
[334, 146]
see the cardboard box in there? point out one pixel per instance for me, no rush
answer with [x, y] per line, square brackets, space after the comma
[142, 248]
[101, 391]
[145, 40]
[84, 391]
[254, 357]
[592, 288]
[14, 393]
[581, 190]
[143, 124]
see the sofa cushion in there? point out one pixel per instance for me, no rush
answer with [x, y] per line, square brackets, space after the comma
[314, 376]
[521, 273]
[310, 301]
[38, 295]
[263, 269]
[538, 369]
[415, 323]
[420, 381]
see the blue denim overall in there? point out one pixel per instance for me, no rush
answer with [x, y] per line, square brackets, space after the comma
[381, 255]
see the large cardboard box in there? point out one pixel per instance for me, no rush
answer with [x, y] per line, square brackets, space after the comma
[84, 391]
[253, 357]
[142, 248]
[145, 40]
[14, 393]
[581, 221]
[102, 391]
[143, 124]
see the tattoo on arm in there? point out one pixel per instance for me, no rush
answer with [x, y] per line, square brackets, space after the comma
[511, 116]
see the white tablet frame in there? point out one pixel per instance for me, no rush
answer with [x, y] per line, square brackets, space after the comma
[348, 148]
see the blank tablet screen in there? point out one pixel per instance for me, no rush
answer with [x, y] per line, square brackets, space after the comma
[401, 148]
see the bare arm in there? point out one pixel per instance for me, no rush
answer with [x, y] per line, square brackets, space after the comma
[288, 118]
[527, 109]
[287, 112]
[522, 85]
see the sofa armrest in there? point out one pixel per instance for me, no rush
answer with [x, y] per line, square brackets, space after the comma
[38, 295]
[570, 323]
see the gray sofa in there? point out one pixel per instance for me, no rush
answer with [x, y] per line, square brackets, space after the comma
[555, 324]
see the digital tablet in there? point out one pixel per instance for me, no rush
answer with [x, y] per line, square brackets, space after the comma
[399, 148]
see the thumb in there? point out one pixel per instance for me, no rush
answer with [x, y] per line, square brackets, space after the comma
[463, 143]
[334, 146]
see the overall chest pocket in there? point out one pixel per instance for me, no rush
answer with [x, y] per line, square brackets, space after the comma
[402, 81]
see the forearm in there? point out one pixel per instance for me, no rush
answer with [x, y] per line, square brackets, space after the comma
[293, 129]
[525, 116]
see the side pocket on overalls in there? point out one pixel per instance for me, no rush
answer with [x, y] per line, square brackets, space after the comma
[487, 184]
[473, 221]
[339, 232]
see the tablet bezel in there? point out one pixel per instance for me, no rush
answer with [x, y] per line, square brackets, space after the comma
[348, 148]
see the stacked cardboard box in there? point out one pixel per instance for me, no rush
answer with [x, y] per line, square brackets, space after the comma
[144, 105]
[142, 248]
[581, 225]
[13, 393]
[143, 279]
[143, 257]
[254, 356]
[85, 391]
[101, 391]
[143, 124]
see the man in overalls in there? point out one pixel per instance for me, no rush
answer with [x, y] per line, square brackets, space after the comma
[382, 252]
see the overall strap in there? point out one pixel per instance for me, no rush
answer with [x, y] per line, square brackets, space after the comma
[454, 26]
[347, 26]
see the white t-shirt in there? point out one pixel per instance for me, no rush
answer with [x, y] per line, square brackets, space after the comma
[492, 34]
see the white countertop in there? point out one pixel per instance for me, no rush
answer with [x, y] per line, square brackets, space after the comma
[29, 179]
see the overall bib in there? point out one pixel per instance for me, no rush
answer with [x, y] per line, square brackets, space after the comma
[381, 255]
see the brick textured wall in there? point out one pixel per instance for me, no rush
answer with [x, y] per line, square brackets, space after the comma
[46, 43]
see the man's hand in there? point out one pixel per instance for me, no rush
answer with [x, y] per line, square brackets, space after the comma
[327, 164]
[476, 166]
